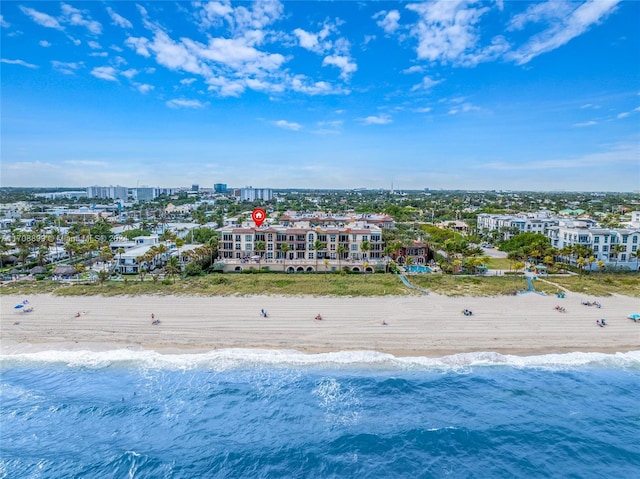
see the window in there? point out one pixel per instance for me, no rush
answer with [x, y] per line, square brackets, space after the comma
[332, 238]
[270, 247]
[237, 237]
[354, 247]
[635, 239]
[606, 239]
[238, 246]
[595, 249]
[596, 239]
[310, 255]
[625, 238]
[365, 238]
[605, 248]
[634, 248]
[248, 238]
[623, 257]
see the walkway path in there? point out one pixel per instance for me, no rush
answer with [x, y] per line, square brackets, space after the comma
[409, 285]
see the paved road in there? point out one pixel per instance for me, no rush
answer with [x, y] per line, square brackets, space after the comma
[494, 253]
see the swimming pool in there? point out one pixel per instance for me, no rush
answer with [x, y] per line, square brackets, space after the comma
[416, 268]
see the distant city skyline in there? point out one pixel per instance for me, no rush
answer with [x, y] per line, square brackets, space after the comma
[329, 95]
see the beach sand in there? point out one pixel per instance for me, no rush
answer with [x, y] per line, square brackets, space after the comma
[429, 325]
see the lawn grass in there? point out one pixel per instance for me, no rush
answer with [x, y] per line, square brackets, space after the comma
[600, 284]
[230, 284]
[471, 285]
[498, 263]
[337, 285]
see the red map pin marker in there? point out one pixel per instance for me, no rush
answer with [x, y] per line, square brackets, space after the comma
[258, 216]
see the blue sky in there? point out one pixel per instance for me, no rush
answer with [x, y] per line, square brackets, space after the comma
[442, 95]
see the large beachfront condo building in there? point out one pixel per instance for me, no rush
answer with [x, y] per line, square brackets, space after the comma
[510, 225]
[339, 244]
[616, 246]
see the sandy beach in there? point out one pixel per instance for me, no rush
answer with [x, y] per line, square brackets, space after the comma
[429, 325]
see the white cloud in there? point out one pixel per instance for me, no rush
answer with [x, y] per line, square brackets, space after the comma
[377, 120]
[188, 81]
[427, 84]
[413, 69]
[447, 30]
[345, 64]
[463, 109]
[119, 20]
[567, 22]
[94, 45]
[389, 20]
[74, 16]
[182, 103]
[18, 62]
[105, 73]
[425, 109]
[41, 18]
[44, 43]
[616, 154]
[99, 54]
[86, 163]
[116, 48]
[586, 123]
[68, 68]
[3, 23]
[288, 125]
[140, 45]
[144, 88]
[306, 39]
[130, 73]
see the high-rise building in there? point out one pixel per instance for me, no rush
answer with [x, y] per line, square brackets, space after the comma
[111, 192]
[145, 193]
[252, 194]
[195, 188]
[220, 188]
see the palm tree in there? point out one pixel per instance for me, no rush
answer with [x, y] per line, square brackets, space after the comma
[173, 268]
[318, 246]
[284, 247]
[636, 255]
[365, 247]
[617, 249]
[106, 255]
[102, 277]
[581, 262]
[600, 264]
[120, 252]
[259, 248]
[342, 249]
[326, 265]
[591, 260]
[161, 250]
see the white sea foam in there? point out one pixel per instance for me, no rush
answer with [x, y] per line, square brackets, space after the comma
[223, 359]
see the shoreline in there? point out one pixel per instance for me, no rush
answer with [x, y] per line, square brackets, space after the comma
[426, 326]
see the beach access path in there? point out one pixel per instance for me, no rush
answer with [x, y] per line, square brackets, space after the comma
[429, 325]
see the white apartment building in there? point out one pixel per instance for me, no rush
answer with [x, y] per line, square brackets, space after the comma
[239, 243]
[111, 192]
[250, 193]
[510, 225]
[603, 241]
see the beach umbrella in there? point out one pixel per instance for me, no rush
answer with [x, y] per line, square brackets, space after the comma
[634, 316]
[18, 306]
[37, 270]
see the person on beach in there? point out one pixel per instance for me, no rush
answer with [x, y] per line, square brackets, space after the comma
[264, 314]
[599, 323]
[384, 323]
[319, 317]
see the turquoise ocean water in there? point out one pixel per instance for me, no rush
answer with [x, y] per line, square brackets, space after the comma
[255, 414]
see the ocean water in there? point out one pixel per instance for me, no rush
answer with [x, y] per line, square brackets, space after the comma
[253, 414]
